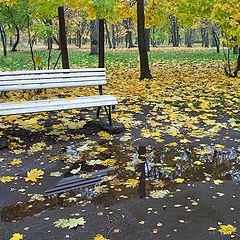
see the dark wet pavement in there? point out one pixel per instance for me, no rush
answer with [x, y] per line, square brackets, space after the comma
[117, 211]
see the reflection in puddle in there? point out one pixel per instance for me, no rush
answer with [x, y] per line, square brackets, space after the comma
[103, 179]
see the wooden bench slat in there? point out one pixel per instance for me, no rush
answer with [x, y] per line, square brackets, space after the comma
[52, 76]
[52, 71]
[56, 104]
[54, 80]
[52, 85]
[54, 101]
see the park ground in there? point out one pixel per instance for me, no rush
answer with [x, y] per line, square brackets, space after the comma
[173, 173]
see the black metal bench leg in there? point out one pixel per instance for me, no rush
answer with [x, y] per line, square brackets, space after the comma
[3, 142]
[98, 111]
[109, 114]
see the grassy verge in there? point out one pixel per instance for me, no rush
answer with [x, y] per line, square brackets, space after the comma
[128, 57]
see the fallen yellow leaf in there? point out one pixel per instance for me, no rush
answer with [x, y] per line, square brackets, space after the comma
[34, 175]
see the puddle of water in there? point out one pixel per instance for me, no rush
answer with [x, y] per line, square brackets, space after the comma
[155, 168]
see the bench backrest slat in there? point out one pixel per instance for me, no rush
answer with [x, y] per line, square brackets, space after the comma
[43, 79]
[51, 76]
[54, 80]
[52, 71]
[51, 85]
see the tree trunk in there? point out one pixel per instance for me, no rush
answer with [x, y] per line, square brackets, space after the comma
[14, 47]
[118, 40]
[129, 39]
[79, 39]
[94, 37]
[189, 38]
[235, 50]
[101, 62]
[215, 40]
[147, 38]
[175, 32]
[4, 41]
[238, 64]
[108, 35]
[202, 35]
[153, 39]
[63, 38]
[207, 38]
[144, 63]
[50, 39]
[113, 37]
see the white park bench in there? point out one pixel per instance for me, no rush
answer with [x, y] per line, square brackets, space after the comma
[63, 78]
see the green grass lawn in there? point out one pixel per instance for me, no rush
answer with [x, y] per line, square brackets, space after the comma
[129, 57]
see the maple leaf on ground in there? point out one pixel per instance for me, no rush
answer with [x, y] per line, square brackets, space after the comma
[34, 175]
[99, 237]
[227, 229]
[17, 236]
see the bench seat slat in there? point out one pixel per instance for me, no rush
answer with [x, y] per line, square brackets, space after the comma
[52, 85]
[36, 77]
[56, 104]
[52, 71]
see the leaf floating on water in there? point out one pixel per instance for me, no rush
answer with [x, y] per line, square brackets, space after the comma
[34, 175]
[198, 163]
[56, 174]
[16, 162]
[159, 193]
[212, 229]
[69, 223]
[76, 171]
[61, 223]
[109, 162]
[17, 236]
[131, 183]
[101, 188]
[179, 180]
[227, 229]
[218, 182]
[74, 222]
[167, 170]
[102, 149]
[36, 147]
[94, 162]
[38, 197]
[6, 179]
[99, 237]
[158, 184]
